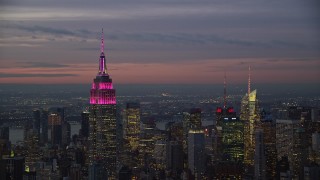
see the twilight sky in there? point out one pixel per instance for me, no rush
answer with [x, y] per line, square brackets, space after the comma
[160, 41]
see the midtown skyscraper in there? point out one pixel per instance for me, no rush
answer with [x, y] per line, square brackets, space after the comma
[250, 115]
[102, 120]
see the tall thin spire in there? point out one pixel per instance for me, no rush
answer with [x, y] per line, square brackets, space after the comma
[102, 43]
[102, 60]
[225, 91]
[249, 81]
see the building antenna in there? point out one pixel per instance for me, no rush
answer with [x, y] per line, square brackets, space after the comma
[102, 43]
[249, 81]
[225, 90]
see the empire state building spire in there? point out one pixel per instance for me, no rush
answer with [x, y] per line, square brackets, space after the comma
[225, 91]
[102, 43]
[102, 61]
[249, 81]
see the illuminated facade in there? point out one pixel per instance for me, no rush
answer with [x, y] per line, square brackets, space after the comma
[102, 120]
[54, 122]
[232, 140]
[251, 116]
[191, 121]
[132, 125]
[291, 142]
[269, 140]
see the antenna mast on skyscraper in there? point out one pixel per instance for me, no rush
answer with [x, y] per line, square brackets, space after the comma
[102, 43]
[225, 91]
[249, 81]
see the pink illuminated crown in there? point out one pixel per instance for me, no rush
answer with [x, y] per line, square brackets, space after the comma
[102, 91]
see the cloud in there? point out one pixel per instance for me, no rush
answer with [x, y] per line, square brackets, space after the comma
[44, 29]
[22, 75]
[40, 65]
[156, 37]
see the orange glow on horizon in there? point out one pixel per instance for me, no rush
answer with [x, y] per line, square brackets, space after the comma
[199, 72]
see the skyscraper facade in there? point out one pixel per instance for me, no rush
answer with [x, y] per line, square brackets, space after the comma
[269, 141]
[132, 125]
[36, 121]
[85, 124]
[54, 121]
[102, 120]
[191, 121]
[259, 156]
[251, 116]
[196, 153]
[232, 139]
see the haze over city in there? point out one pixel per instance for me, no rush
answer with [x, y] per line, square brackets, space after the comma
[160, 42]
[150, 89]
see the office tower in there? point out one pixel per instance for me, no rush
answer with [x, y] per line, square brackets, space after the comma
[32, 149]
[44, 126]
[175, 131]
[132, 125]
[196, 153]
[291, 142]
[315, 148]
[97, 171]
[283, 169]
[12, 167]
[195, 118]
[75, 171]
[37, 121]
[5, 144]
[191, 120]
[222, 113]
[269, 140]
[4, 133]
[285, 130]
[160, 154]
[174, 157]
[54, 122]
[59, 111]
[232, 140]
[85, 124]
[208, 136]
[148, 137]
[102, 119]
[311, 171]
[251, 116]
[259, 156]
[65, 134]
[316, 141]
[125, 173]
[29, 175]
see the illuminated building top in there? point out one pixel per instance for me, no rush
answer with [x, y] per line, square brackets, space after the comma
[253, 95]
[102, 91]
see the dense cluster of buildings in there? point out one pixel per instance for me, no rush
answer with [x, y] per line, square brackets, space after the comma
[116, 143]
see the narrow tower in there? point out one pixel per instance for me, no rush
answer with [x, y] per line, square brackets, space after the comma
[224, 91]
[249, 81]
[102, 120]
[250, 115]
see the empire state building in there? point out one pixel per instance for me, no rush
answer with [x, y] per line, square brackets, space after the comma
[102, 120]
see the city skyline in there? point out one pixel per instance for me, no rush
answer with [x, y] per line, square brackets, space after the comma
[167, 42]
